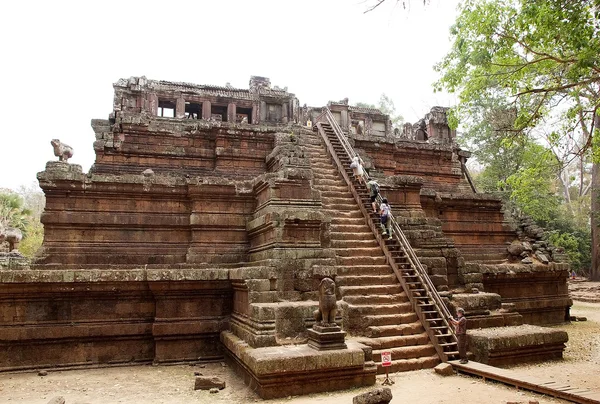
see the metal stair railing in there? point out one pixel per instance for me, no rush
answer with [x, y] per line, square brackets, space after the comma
[430, 289]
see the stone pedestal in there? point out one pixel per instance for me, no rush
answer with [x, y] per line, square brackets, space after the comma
[326, 337]
[283, 371]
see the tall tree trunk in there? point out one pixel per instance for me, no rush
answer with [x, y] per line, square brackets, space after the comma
[595, 270]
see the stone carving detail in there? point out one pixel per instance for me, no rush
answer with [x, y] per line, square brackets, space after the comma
[326, 334]
[62, 151]
[327, 303]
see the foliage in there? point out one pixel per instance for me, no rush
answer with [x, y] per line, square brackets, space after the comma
[35, 236]
[576, 244]
[534, 52]
[12, 212]
[517, 65]
[386, 106]
[23, 211]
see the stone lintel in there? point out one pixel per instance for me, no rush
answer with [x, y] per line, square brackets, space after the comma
[297, 370]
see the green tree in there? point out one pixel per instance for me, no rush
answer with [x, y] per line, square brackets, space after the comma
[536, 58]
[386, 105]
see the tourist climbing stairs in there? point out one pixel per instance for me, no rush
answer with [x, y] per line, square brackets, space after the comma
[416, 286]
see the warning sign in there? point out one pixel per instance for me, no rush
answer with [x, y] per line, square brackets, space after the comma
[386, 358]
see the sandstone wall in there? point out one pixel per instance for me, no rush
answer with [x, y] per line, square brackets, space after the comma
[437, 164]
[53, 318]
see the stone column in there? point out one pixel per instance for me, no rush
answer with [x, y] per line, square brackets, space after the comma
[231, 112]
[284, 112]
[263, 111]
[344, 120]
[180, 108]
[153, 104]
[255, 114]
[206, 110]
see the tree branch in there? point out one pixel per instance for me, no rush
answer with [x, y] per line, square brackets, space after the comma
[559, 88]
[380, 2]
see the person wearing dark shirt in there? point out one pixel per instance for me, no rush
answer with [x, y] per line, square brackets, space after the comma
[460, 328]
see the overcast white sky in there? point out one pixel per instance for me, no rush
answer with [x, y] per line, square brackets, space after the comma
[60, 58]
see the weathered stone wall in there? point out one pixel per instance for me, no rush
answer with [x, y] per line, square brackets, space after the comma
[143, 204]
[55, 318]
[475, 222]
[176, 146]
[437, 164]
[538, 291]
[435, 250]
[102, 219]
[288, 246]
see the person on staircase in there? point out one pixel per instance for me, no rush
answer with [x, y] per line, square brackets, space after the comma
[357, 168]
[386, 221]
[373, 187]
[460, 328]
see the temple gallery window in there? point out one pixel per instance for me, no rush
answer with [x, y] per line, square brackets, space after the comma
[193, 110]
[273, 112]
[244, 115]
[166, 108]
[218, 112]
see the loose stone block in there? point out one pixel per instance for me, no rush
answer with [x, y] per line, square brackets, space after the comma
[444, 369]
[207, 383]
[382, 395]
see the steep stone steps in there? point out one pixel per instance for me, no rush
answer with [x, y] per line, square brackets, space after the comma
[341, 235]
[370, 289]
[405, 365]
[348, 214]
[349, 243]
[336, 194]
[326, 182]
[360, 270]
[340, 189]
[347, 220]
[338, 206]
[396, 329]
[375, 308]
[358, 252]
[391, 319]
[395, 341]
[375, 303]
[350, 261]
[354, 280]
[405, 352]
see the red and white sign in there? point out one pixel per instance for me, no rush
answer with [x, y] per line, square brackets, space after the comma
[386, 358]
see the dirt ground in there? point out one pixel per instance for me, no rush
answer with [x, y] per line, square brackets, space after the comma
[174, 384]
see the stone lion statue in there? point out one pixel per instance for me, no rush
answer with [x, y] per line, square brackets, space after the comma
[327, 303]
[62, 151]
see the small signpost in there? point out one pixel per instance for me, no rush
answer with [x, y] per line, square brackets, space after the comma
[386, 361]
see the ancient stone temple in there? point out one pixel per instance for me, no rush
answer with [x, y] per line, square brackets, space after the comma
[213, 217]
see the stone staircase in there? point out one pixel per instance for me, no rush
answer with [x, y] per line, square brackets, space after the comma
[376, 309]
